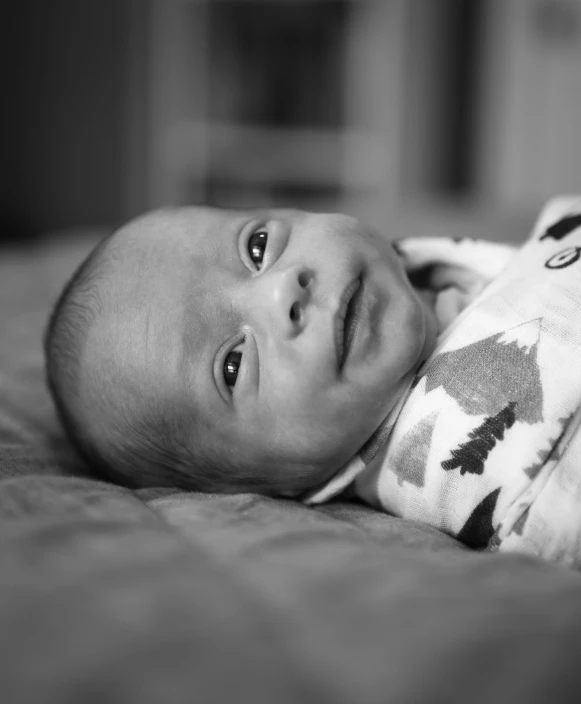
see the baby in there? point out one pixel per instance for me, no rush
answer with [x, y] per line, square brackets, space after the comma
[232, 351]
[281, 352]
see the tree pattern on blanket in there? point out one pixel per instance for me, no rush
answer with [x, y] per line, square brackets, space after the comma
[562, 228]
[498, 378]
[471, 456]
[552, 449]
[411, 457]
[485, 376]
[478, 529]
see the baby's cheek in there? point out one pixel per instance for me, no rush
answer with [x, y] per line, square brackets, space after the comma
[315, 437]
[354, 424]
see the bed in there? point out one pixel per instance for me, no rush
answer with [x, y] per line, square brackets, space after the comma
[110, 595]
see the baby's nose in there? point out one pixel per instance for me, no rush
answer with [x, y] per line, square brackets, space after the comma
[288, 295]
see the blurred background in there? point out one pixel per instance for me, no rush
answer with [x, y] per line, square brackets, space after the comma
[419, 116]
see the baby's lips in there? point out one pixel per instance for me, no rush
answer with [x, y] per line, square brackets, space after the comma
[339, 318]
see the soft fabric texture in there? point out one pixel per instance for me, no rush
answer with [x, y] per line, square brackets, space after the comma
[484, 444]
[110, 595]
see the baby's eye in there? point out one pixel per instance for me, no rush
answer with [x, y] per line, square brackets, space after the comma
[256, 246]
[231, 367]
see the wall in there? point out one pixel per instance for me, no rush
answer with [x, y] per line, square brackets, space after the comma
[63, 76]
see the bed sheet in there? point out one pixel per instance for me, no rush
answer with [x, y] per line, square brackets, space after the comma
[119, 596]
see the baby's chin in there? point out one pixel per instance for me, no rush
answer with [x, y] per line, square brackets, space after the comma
[296, 487]
[293, 481]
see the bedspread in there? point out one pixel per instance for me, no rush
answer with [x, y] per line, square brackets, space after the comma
[111, 595]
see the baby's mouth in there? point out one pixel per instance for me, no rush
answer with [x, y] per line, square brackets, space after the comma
[349, 316]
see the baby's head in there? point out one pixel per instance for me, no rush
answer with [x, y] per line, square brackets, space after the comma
[232, 351]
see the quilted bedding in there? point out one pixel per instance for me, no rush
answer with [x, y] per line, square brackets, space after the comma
[110, 595]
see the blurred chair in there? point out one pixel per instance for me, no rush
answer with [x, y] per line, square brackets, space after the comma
[289, 102]
[467, 110]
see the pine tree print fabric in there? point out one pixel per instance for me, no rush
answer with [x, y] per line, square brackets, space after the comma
[485, 445]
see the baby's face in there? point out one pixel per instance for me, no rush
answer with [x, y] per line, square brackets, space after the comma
[287, 333]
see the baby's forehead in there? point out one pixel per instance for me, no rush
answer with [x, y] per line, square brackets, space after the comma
[155, 236]
[167, 244]
[166, 222]
[154, 260]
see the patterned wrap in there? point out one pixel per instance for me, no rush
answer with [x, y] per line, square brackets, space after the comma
[483, 441]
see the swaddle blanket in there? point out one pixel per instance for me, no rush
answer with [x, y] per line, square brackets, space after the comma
[484, 442]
